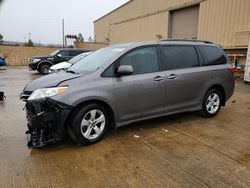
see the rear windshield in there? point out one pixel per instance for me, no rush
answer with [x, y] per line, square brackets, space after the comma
[212, 55]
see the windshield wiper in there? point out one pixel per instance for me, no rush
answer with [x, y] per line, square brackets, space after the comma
[73, 72]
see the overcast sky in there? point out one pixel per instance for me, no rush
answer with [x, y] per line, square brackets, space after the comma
[43, 18]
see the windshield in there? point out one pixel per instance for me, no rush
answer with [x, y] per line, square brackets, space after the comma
[96, 59]
[53, 53]
[77, 58]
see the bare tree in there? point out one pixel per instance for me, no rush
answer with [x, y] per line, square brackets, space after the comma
[80, 37]
[1, 39]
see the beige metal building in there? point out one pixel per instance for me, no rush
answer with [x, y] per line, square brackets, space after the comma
[226, 22]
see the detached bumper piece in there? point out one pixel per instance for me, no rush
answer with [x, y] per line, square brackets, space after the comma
[46, 119]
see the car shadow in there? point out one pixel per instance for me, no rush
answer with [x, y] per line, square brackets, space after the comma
[159, 122]
[35, 75]
[130, 129]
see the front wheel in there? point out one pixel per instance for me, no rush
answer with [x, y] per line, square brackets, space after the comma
[211, 103]
[89, 124]
[44, 68]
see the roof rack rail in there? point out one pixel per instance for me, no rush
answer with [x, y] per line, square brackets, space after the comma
[188, 40]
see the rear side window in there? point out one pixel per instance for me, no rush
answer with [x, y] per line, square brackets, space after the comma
[212, 55]
[179, 57]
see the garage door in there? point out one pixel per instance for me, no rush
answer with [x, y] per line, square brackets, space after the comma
[184, 23]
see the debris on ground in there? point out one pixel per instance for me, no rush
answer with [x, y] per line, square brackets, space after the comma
[136, 136]
[141, 129]
[234, 101]
[165, 130]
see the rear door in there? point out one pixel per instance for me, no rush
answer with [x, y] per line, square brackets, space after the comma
[141, 94]
[185, 77]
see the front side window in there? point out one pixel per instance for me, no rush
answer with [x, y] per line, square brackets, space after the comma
[110, 71]
[63, 53]
[179, 57]
[212, 55]
[143, 60]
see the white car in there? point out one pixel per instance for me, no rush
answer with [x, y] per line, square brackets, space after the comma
[66, 64]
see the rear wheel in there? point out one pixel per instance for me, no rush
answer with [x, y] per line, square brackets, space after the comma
[44, 68]
[89, 124]
[211, 103]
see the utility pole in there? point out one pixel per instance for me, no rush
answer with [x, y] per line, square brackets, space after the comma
[63, 31]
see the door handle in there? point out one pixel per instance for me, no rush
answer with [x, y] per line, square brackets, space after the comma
[158, 78]
[172, 77]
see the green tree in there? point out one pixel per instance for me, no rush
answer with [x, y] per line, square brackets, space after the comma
[29, 43]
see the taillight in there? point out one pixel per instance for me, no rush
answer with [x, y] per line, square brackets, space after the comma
[232, 69]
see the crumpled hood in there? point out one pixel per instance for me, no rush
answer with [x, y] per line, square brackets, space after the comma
[51, 80]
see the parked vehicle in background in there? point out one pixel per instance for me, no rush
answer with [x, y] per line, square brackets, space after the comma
[121, 84]
[2, 60]
[43, 63]
[66, 64]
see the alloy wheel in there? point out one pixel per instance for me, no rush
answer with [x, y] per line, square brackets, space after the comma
[213, 103]
[45, 69]
[93, 124]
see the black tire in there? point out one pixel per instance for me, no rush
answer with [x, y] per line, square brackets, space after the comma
[211, 108]
[76, 132]
[44, 68]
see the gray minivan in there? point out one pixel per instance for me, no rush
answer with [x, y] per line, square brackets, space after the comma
[124, 83]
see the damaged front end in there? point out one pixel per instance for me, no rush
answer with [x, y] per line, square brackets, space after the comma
[46, 119]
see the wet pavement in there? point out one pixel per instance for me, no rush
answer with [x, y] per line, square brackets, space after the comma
[183, 150]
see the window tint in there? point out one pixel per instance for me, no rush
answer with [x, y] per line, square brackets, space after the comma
[64, 53]
[179, 57]
[110, 71]
[212, 55]
[74, 53]
[143, 60]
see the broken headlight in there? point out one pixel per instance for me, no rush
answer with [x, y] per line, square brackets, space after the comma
[47, 92]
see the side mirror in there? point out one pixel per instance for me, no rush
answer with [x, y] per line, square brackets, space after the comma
[125, 70]
[59, 55]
